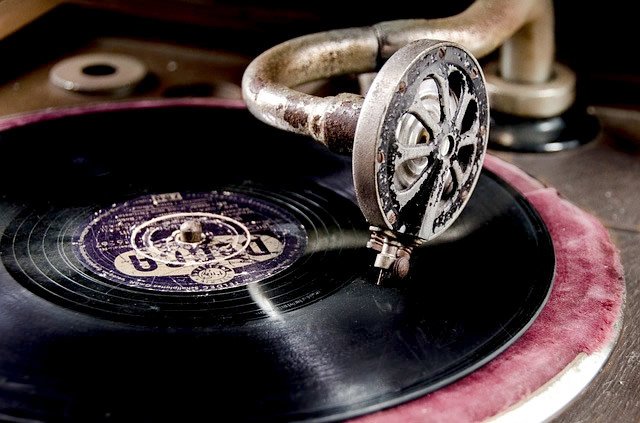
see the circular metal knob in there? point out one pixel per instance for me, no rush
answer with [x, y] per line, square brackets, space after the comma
[191, 231]
[420, 140]
[99, 73]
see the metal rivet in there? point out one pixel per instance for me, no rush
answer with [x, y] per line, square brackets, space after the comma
[401, 266]
[392, 217]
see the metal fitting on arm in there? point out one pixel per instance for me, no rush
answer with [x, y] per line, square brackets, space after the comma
[268, 82]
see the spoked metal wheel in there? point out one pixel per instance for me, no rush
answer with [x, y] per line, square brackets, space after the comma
[421, 139]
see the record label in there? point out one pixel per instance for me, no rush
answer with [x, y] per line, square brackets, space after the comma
[140, 243]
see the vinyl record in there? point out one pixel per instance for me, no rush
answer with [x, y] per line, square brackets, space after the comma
[125, 261]
[105, 314]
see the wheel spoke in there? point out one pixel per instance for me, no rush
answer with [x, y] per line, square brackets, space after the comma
[403, 197]
[458, 173]
[468, 138]
[425, 117]
[411, 152]
[445, 97]
[435, 197]
[463, 105]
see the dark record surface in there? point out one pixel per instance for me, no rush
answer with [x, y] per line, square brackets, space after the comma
[317, 340]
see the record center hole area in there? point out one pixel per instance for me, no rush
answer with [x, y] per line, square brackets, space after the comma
[161, 238]
[99, 69]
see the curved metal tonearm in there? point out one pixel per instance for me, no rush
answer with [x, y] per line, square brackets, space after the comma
[526, 82]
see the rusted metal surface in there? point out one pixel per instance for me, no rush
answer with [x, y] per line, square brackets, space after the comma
[340, 123]
[268, 80]
[523, 27]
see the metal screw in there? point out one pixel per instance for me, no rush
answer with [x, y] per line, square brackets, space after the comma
[402, 264]
[191, 231]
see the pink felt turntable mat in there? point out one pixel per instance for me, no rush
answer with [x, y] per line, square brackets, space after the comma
[580, 316]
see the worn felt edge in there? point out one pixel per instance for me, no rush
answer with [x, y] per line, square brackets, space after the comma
[581, 318]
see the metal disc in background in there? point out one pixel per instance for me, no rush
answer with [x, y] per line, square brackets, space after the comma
[98, 73]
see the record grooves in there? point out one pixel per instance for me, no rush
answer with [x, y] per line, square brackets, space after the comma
[38, 248]
[315, 340]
